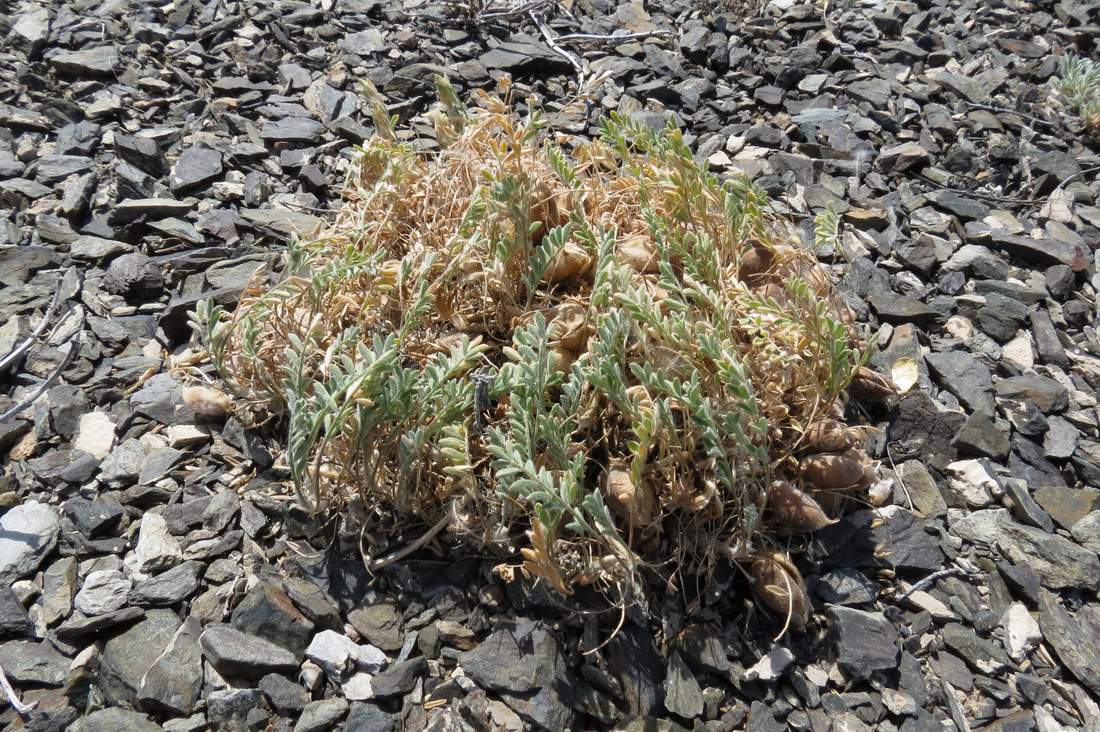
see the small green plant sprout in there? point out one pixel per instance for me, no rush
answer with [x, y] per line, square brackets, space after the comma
[601, 358]
[1078, 82]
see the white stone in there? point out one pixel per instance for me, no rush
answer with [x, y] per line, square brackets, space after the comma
[103, 592]
[924, 601]
[95, 434]
[1045, 721]
[898, 702]
[333, 652]
[358, 687]
[959, 327]
[970, 480]
[156, 548]
[186, 435]
[771, 666]
[981, 526]
[28, 533]
[1018, 352]
[369, 658]
[311, 675]
[1021, 631]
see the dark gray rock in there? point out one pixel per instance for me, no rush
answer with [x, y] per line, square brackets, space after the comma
[524, 664]
[1024, 506]
[855, 542]
[293, 129]
[314, 602]
[197, 166]
[1057, 561]
[14, 621]
[1044, 392]
[173, 682]
[846, 587]
[1044, 251]
[133, 275]
[1047, 342]
[169, 587]
[866, 641]
[127, 657]
[238, 654]
[321, 715]
[398, 678]
[98, 61]
[981, 437]
[33, 662]
[1001, 316]
[113, 719]
[923, 429]
[683, 697]
[964, 376]
[367, 717]
[982, 655]
[267, 612]
[78, 627]
[56, 168]
[236, 710]
[94, 518]
[141, 152]
[285, 696]
[221, 510]
[1065, 633]
[893, 308]
[522, 53]
[380, 624]
[1061, 438]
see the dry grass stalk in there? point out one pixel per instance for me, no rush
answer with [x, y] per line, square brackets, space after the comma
[602, 358]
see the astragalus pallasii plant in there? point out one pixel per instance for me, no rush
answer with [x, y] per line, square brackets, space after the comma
[597, 354]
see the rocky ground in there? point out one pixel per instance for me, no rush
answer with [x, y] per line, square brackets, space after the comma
[155, 574]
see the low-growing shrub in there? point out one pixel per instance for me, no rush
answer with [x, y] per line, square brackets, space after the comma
[606, 359]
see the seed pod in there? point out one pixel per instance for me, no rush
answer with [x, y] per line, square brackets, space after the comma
[632, 503]
[639, 253]
[206, 401]
[793, 511]
[829, 435]
[572, 261]
[561, 359]
[756, 265]
[569, 327]
[871, 386]
[835, 471]
[778, 583]
[551, 208]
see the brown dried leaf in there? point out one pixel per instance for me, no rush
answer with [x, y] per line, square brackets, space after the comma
[778, 583]
[793, 511]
